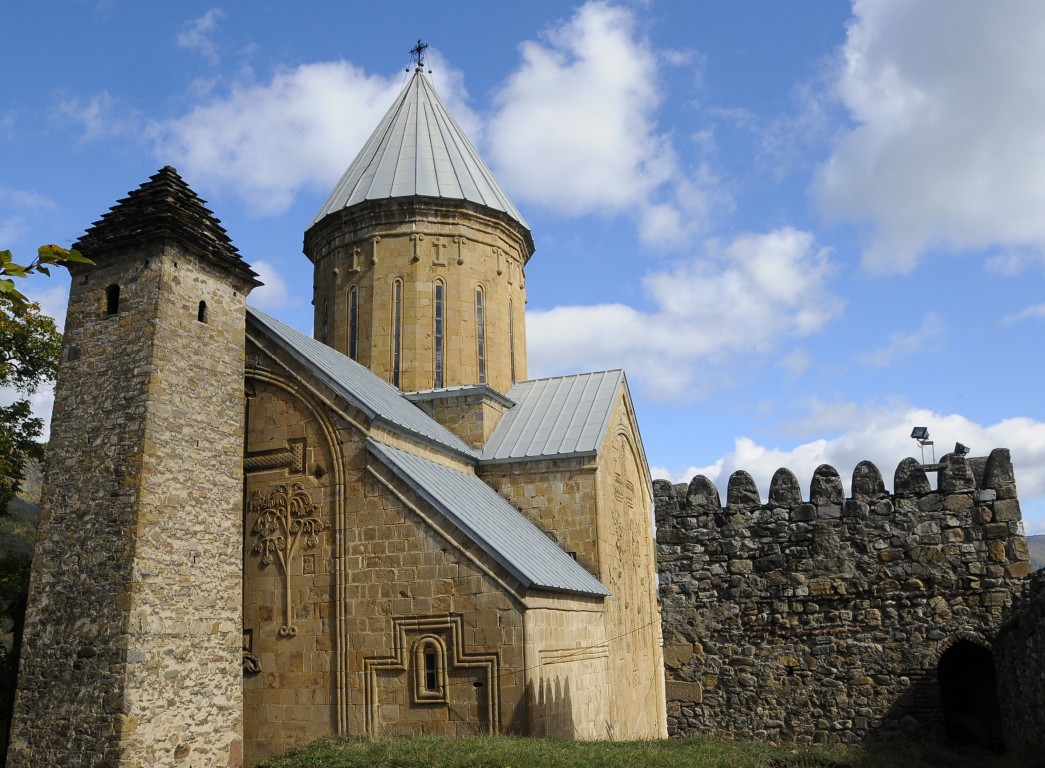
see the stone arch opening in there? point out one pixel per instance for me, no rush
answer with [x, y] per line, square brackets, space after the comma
[969, 696]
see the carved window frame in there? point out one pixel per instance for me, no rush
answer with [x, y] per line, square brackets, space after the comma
[429, 650]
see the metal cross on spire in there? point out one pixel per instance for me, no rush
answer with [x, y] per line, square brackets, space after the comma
[419, 51]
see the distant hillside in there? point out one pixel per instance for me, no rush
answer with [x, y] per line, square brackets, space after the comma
[17, 537]
[18, 526]
[1037, 550]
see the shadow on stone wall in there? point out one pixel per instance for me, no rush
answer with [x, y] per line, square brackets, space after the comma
[1019, 652]
[551, 708]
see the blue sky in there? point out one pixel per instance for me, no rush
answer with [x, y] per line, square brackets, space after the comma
[801, 228]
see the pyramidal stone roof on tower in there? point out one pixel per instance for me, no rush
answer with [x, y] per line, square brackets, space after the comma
[419, 149]
[165, 206]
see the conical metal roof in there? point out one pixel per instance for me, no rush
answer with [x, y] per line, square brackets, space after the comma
[419, 149]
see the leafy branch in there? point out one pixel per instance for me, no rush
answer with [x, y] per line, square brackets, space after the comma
[46, 257]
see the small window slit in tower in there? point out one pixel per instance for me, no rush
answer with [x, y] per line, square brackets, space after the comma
[112, 300]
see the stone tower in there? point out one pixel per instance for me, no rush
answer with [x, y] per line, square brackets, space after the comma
[419, 256]
[132, 649]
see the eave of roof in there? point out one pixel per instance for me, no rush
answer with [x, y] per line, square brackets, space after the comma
[494, 525]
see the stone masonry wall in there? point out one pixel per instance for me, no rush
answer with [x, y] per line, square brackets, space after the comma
[132, 642]
[1020, 655]
[825, 621]
[415, 583]
[289, 564]
[568, 682]
[420, 242]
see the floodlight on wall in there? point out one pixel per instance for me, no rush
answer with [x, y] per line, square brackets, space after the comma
[960, 449]
[921, 434]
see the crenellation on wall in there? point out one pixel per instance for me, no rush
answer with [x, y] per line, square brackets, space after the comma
[824, 620]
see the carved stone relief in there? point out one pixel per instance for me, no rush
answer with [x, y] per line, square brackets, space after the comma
[410, 636]
[286, 520]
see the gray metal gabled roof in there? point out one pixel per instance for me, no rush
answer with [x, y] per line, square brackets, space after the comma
[419, 149]
[498, 528]
[559, 417]
[378, 399]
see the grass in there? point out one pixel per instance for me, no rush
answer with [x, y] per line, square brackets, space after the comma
[507, 752]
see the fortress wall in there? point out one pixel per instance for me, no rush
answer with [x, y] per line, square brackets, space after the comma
[825, 621]
[1020, 652]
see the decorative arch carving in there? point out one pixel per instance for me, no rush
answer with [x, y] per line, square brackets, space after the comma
[313, 405]
[412, 634]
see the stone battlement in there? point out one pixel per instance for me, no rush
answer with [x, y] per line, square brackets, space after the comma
[826, 619]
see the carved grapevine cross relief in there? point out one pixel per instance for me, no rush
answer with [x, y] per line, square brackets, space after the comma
[283, 517]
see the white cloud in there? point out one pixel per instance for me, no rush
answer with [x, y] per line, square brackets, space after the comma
[266, 141]
[100, 116]
[40, 404]
[795, 362]
[1015, 261]
[197, 34]
[906, 343]
[21, 207]
[574, 130]
[881, 434]
[273, 295]
[1033, 312]
[948, 144]
[735, 298]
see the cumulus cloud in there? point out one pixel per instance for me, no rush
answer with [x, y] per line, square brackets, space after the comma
[197, 35]
[881, 433]
[947, 147]
[266, 141]
[906, 343]
[574, 130]
[273, 294]
[739, 297]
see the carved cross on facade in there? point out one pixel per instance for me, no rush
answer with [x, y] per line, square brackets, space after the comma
[438, 259]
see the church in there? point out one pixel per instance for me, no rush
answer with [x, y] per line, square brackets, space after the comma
[251, 537]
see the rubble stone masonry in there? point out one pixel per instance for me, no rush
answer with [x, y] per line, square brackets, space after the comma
[831, 620]
[132, 644]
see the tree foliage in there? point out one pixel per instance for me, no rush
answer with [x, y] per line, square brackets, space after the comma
[29, 349]
[46, 257]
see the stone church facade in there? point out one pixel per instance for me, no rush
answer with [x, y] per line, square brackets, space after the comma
[251, 537]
